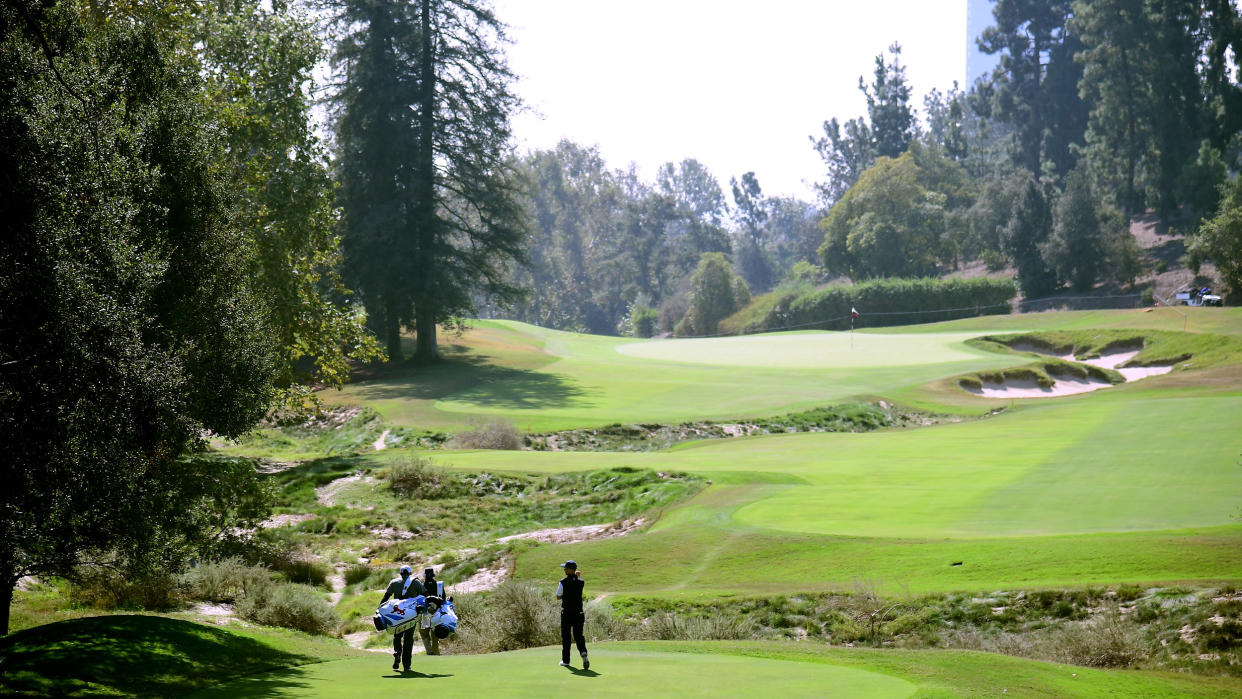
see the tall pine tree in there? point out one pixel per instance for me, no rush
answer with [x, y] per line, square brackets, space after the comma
[432, 202]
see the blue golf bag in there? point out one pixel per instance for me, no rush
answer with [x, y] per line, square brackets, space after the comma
[397, 615]
[444, 620]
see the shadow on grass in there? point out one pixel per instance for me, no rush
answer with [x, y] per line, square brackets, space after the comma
[473, 379]
[414, 675]
[132, 655]
[582, 673]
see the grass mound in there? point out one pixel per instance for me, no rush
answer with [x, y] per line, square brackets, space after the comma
[145, 655]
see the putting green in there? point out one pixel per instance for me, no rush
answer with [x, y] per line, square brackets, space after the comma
[546, 379]
[616, 672]
[811, 350]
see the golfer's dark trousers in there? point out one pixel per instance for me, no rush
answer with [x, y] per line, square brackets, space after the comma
[572, 621]
[403, 646]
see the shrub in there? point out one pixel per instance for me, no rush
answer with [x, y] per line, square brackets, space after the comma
[521, 615]
[304, 569]
[881, 302]
[226, 580]
[495, 434]
[418, 477]
[715, 626]
[1109, 640]
[105, 588]
[291, 606]
[357, 573]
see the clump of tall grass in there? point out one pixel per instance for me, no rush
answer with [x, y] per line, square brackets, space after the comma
[492, 434]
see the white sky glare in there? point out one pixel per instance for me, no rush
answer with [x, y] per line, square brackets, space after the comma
[737, 85]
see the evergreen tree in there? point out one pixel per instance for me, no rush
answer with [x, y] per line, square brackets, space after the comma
[753, 259]
[1024, 237]
[429, 84]
[888, 105]
[1079, 245]
[376, 141]
[1036, 83]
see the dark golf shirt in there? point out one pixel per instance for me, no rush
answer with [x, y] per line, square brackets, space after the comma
[394, 589]
[571, 594]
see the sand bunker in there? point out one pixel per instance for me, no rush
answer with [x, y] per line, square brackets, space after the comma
[1134, 373]
[1028, 388]
[572, 535]
[1111, 360]
[1068, 386]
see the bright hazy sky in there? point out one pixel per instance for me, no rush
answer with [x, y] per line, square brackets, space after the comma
[737, 85]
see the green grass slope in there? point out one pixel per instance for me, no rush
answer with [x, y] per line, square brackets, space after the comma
[1129, 487]
[708, 669]
[143, 655]
[544, 379]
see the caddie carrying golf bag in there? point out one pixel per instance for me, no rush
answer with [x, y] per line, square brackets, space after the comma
[397, 615]
[444, 621]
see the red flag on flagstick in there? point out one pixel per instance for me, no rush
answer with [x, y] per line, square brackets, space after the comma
[853, 312]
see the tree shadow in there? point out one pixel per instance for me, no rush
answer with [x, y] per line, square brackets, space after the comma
[473, 378]
[133, 655]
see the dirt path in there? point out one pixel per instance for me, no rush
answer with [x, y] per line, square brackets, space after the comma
[337, 582]
[327, 494]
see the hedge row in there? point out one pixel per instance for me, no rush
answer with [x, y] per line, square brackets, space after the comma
[880, 302]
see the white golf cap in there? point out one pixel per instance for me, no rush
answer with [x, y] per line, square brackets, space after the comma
[406, 569]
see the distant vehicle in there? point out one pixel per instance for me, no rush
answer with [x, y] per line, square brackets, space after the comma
[1199, 296]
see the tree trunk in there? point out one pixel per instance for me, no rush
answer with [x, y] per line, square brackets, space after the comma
[425, 323]
[425, 222]
[392, 331]
[6, 601]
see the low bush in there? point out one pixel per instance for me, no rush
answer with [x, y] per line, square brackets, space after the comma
[106, 588]
[305, 570]
[720, 626]
[357, 573]
[225, 581]
[419, 478]
[291, 606]
[494, 434]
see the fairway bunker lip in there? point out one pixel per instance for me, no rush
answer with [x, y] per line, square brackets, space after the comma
[1029, 388]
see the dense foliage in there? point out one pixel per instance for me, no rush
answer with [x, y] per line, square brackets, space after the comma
[879, 302]
[432, 206]
[129, 323]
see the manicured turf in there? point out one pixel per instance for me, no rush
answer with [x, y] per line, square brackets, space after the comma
[617, 672]
[544, 379]
[1137, 486]
[809, 350]
[157, 656]
[707, 669]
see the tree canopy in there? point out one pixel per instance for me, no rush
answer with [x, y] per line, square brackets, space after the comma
[128, 318]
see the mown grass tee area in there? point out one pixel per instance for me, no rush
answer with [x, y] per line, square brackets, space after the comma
[1030, 516]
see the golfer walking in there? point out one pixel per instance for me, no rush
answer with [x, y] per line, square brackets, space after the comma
[404, 587]
[569, 592]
